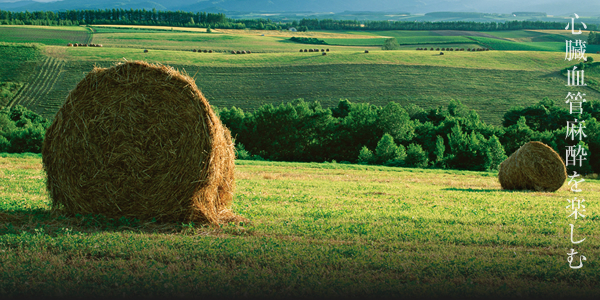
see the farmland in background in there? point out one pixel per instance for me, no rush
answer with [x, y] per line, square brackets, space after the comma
[316, 229]
[490, 82]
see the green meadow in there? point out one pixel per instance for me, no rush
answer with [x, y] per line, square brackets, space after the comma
[325, 230]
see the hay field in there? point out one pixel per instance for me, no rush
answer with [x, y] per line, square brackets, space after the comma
[317, 229]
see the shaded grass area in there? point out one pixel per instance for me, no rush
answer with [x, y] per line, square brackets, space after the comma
[17, 62]
[322, 230]
[43, 35]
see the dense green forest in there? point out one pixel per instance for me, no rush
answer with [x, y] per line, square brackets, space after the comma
[219, 20]
[444, 137]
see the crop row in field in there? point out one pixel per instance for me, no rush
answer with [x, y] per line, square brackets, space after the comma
[34, 94]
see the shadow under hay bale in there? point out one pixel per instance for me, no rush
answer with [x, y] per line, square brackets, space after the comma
[534, 166]
[140, 140]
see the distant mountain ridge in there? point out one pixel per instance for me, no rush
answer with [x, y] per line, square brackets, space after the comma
[585, 7]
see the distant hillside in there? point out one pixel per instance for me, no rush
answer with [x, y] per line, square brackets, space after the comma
[584, 7]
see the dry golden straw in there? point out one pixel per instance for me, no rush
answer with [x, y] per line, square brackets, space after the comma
[140, 140]
[534, 166]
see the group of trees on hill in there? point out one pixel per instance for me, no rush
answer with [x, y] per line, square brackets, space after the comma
[219, 20]
[21, 130]
[452, 137]
[594, 38]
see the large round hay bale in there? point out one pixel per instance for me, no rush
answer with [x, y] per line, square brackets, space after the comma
[534, 166]
[140, 140]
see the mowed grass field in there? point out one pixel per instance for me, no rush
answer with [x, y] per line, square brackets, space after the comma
[490, 82]
[326, 230]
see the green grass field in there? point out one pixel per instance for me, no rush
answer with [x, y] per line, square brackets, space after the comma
[326, 230]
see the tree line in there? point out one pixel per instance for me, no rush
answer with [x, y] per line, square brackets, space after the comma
[443, 137]
[219, 20]
[329, 24]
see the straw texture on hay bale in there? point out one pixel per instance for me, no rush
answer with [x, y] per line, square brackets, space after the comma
[534, 166]
[140, 140]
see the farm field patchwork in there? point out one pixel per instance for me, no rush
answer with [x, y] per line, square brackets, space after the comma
[316, 230]
[490, 82]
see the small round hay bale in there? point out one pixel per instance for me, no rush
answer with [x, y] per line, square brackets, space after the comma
[366, 51]
[139, 140]
[210, 51]
[301, 50]
[441, 53]
[243, 51]
[322, 50]
[310, 50]
[249, 52]
[69, 45]
[305, 50]
[145, 50]
[431, 49]
[324, 53]
[99, 45]
[194, 50]
[233, 52]
[327, 50]
[534, 166]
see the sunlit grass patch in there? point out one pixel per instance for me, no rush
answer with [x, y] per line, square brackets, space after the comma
[315, 230]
